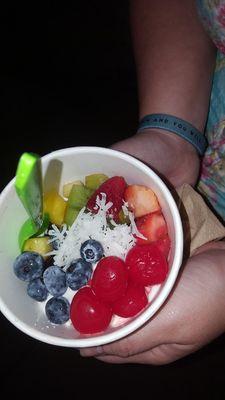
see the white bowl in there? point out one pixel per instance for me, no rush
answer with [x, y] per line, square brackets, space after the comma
[64, 166]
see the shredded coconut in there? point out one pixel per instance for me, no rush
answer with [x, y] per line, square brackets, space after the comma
[116, 239]
[57, 234]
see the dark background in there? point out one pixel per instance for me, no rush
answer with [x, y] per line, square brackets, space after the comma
[68, 79]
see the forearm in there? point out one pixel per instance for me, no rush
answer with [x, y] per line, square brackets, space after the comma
[206, 270]
[174, 59]
[175, 63]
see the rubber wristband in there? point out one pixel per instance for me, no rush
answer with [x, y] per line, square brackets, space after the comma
[177, 126]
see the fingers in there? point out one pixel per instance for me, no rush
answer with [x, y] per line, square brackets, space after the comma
[147, 357]
[156, 332]
[143, 358]
[140, 341]
[159, 355]
[106, 355]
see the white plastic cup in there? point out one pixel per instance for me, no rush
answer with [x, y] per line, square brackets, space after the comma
[60, 167]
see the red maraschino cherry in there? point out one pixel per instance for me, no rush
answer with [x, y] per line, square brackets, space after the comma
[110, 278]
[132, 302]
[88, 314]
[146, 264]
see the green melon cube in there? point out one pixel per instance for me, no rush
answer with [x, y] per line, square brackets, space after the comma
[93, 181]
[70, 215]
[79, 196]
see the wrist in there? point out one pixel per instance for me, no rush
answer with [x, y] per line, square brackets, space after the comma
[177, 126]
[175, 157]
[179, 144]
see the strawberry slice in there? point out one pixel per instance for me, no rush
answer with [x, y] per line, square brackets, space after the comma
[152, 226]
[141, 200]
[114, 189]
[163, 245]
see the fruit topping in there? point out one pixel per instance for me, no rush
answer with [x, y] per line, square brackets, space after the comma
[68, 186]
[93, 181]
[152, 226]
[55, 280]
[37, 290]
[123, 218]
[141, 200]
[71, 215]
[78, 198]
[87, 313]
[132, 302]
[78, 274]
[107, 241]
[163, 245]
[146, 265]
[115, 239]
[58, 310]
[91, 251]
[110, 278]
[114, 190]
[39, 245]
[28, 265]
[54, 206]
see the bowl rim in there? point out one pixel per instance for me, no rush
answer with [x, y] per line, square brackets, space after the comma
[145, 315]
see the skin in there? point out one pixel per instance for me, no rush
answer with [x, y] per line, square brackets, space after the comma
[192, 316]
[175, 62]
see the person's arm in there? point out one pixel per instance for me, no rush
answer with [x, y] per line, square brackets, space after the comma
[174, 59]
[175, 62]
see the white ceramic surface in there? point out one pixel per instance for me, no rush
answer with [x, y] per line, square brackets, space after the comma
[64, 166]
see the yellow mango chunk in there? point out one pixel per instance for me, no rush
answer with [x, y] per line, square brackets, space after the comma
[68, 186]
[55, 206]
[40, 245]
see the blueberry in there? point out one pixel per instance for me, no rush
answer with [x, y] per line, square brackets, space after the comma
[55, 280]
[58, 310]
[78, 274]
[28, 265]
[37, 290]
[91, 251]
